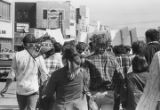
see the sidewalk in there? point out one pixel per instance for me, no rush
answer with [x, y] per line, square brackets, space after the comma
[9, 101]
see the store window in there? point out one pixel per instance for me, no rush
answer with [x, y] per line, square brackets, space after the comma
[5, 10]
[45, 14]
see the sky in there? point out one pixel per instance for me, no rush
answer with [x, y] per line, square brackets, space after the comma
[119, 12]
[139, 14]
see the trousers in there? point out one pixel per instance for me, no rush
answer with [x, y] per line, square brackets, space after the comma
[104, 100]
[27, 102]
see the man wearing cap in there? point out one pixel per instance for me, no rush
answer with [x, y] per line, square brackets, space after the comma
[26, 66]
[102, 66]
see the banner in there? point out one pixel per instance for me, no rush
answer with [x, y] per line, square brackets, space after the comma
[56, 33]
[133, 34]
[82, 37]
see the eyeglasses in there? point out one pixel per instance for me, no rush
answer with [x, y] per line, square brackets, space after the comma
[46, 44]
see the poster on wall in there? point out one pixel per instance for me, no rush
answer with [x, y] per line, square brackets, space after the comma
[22, 27]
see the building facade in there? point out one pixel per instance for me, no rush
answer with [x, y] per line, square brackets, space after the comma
[83, 19]
[52, 15]
[6, 26]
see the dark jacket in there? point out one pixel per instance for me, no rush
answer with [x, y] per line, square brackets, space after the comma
[150, 50]
[135, 85]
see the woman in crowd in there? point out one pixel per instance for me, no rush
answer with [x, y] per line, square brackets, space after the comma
[68, 83]
[138, 48]
[124, 60]
[136, 81]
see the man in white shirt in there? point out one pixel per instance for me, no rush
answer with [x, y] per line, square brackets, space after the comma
[26, 66]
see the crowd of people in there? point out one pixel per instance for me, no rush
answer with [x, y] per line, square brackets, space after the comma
[81, 76]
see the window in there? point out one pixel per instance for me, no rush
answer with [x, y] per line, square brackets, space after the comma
[44, 14]
[4, 10]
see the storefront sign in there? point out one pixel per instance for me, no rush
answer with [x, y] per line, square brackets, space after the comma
[22, 27]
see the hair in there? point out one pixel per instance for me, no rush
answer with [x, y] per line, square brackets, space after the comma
[58, 47]
[68, 43]
[152, 34]
[139, 64]
[81, 46]
[128, 48]
[138, 47]
[69, 52]
[101, 41]
[71, 55]
[29, 38]
[119, 49]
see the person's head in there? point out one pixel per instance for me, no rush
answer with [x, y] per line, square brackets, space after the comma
[29, 39]
[71, 60]
[58, 47]
[70, 54]
[101, 42]
[81, 47]
[138, 47]
[139, 64]
[119, 49]
[47, 43]
[152, 35]
[69, 43]
[128, 49]
[31, 44]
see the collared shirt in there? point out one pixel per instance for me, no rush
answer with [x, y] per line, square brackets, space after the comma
[25, 69]
[54, 62]
[102, 68]
[125, 62]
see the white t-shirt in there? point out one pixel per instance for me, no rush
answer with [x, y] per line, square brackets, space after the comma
[25, 69]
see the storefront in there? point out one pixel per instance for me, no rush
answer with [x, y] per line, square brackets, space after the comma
[6, 27]
[6, 36]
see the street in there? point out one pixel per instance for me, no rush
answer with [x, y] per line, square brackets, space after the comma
[9, 101]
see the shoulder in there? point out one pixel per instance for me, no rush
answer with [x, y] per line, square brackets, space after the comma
[156, 57]
[21, 54]
[58, 73]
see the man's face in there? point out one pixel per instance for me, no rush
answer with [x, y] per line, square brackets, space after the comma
[100, 47]
[46, 46]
